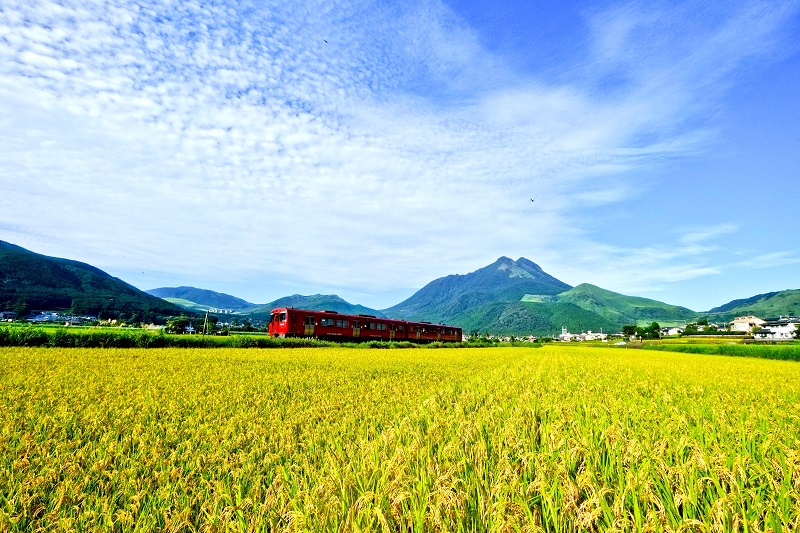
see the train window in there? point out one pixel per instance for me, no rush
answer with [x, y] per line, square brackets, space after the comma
[282, 317]
[381, 327]
[342, 323]
[326, 322]
[372, 325]
[357, 324]
[309, 321]
[401, 327]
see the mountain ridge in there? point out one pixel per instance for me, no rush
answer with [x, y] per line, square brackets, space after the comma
[624, 309]
[202, 297]
[33, 281]
[770, 304]
[507, 296]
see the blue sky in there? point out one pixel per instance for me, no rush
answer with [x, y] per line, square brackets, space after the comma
[366, 148]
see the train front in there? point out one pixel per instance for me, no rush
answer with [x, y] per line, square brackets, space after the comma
[279, 323]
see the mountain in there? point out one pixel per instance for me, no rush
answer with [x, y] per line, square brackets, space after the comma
[533, 318]
[770, 304]
[449, 298]
[317, 302]
[31, 281]
[201, 300]
[621, 310]
[508, 296]
[519, 297]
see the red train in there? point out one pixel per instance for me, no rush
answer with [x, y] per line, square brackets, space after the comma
[330, 325]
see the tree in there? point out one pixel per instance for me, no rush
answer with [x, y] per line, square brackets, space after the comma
[22, 308]
[629, 330]
[653, 331]
[178, 324]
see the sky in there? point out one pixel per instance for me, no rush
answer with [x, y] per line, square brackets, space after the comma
[365, 148]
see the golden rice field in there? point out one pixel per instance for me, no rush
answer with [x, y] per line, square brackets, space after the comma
[561, 438]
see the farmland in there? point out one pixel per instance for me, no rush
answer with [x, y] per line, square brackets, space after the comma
[560, 438]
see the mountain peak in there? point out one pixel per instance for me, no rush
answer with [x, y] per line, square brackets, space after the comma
[521, 268]
[505, 280]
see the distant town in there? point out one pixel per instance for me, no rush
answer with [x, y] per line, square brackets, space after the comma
[782, 328]
[176, 325]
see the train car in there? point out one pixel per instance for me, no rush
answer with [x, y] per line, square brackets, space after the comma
[427, 332]
[330, 325]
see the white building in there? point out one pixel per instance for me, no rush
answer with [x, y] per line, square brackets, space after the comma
[778, 329]
[566, 336]
[746, 323]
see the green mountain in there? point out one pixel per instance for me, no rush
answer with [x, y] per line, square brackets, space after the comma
[201, 300]
[317, 302]
[31, 281]
[533, 318]
[621, 310]
[451, 298]
[518, 297]
[506, 297]
[770, 304]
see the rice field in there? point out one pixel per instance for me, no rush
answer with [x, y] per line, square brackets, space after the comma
[562, 438]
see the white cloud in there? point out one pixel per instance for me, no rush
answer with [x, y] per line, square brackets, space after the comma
[234, 141]
[771, 260]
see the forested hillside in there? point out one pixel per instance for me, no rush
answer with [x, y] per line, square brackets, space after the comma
[31, 281]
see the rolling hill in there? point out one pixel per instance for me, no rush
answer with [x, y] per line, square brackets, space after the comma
[202, 300]
[31, 281]
[770, 304]
[621, 310]
[317, 302]
[533, 318]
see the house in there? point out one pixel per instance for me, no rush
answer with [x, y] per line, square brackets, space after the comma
[671, 331]
[746, 323]
[778, 329]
